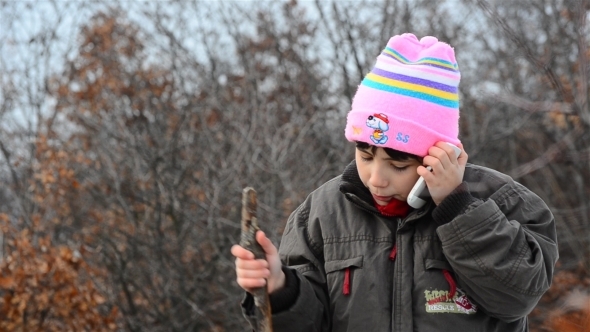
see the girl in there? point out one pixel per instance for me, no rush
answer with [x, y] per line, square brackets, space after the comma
[355, 257]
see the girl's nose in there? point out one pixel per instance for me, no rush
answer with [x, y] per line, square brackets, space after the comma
[378, 178]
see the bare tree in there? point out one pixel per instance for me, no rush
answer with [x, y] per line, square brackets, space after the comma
[545, 96]
[131, 137]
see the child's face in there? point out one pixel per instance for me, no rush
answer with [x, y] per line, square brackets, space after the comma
[386, 178]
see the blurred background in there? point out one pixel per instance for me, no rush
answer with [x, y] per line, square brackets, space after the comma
[129, 128]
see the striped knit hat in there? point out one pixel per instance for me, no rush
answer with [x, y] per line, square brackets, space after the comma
[410, 100]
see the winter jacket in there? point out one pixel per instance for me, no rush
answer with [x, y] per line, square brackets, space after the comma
[480, 261]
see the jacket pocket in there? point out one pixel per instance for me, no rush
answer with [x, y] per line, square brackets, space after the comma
[341, 264]
[339, 272]
[443, 267]
[444, 298]
[436, 264]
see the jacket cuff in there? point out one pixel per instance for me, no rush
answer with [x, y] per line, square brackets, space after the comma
[284, 298]
[453, 205]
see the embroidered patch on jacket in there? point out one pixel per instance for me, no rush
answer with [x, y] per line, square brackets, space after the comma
[439, 302]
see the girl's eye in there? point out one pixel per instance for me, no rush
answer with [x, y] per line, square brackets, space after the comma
[399, 169]
[364, 158]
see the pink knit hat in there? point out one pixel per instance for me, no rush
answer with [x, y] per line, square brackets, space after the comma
[410, 100]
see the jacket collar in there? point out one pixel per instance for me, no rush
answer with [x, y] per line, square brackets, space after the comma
[355, 191]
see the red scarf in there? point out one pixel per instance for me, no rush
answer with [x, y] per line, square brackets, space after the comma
[395, 208]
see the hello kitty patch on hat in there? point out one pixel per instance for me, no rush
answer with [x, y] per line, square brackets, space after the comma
[410, 100]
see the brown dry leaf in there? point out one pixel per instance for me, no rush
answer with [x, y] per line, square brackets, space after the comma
[7, 282]
[43, 267]
[578, 321]
[65, 253]
[42, 299]
[98, 299]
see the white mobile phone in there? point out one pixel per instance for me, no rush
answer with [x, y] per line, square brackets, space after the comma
[419, 193]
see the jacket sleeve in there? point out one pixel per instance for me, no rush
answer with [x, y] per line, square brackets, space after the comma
[503, 250]
[301, 251]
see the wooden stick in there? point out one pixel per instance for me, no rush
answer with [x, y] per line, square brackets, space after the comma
[248, 241]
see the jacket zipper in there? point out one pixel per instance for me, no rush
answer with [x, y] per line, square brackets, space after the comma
[396, 291]
[393, 253]
[397, 324]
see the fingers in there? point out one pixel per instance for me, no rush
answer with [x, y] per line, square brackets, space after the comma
[423, 171]
[255, 273]
[442, 156]
[266, 244]
[447, 170]
[245, 259]
[240, 252]
[463, 157]
[251, 273]
[252, 269]
[250, 278]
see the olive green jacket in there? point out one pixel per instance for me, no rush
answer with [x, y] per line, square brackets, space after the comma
[480, 261]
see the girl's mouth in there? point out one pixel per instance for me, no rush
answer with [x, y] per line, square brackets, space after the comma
[384, 199]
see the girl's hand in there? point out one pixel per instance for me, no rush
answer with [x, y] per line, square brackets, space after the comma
[447, 170]
[256, 273]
